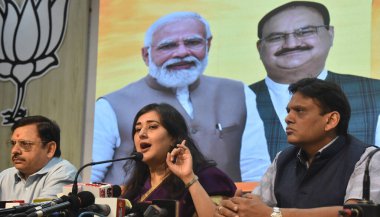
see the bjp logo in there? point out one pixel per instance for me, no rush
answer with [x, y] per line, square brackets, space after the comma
[30, 36]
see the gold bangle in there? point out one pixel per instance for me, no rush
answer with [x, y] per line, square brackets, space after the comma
[191, 182]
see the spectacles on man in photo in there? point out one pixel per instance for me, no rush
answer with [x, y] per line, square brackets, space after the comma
[300, 34]
[191, 44]
[25, 145]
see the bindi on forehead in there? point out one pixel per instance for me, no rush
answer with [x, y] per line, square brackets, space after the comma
[17, 135]
[27, 131]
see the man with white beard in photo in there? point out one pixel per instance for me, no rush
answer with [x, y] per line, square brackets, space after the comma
[221, 113]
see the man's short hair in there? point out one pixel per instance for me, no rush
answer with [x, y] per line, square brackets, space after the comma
[329, 96]
[175, 16]
[47, 130]
[317, 6]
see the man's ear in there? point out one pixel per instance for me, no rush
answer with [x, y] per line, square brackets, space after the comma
[331, 35]
[51, 147]
[332, 121]
[259, 46]
[209, 43]
[145, 55]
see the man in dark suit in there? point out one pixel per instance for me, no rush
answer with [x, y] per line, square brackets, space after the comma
[294, 42]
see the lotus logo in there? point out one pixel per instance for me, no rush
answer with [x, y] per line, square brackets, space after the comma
[29, 38]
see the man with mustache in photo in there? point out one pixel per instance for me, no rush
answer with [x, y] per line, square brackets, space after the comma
[294, 42]
[218, 111]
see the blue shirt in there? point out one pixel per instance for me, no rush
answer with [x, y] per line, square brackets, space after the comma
[45, 183]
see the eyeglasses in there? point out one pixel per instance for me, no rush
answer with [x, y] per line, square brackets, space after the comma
[25, 145]
[191, 44]
[300, 34]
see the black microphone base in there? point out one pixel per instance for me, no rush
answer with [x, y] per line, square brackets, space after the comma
[363, 210]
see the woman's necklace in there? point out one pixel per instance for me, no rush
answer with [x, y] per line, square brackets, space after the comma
[146, 195]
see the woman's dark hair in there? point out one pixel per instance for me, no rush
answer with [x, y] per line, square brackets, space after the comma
[330, 97]
[176, 126]
[47, 129]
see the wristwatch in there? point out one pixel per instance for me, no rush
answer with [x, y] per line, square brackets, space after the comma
[276, 212]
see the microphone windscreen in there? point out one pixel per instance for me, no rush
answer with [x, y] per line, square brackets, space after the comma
[86, 198]
[137, 156]
[116, 191]
[64, 198]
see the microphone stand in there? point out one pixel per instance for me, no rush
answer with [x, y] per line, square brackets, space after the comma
[135, 156]
[365, 207]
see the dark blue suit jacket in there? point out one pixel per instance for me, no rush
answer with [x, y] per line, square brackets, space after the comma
[362, 93]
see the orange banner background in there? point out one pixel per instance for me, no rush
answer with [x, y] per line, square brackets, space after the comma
[233, 54]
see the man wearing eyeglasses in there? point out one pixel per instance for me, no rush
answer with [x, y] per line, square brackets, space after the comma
[218, 111]
[39, 171]
[294, 42]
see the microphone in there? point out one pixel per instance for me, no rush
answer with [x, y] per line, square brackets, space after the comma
[3, 203]
[155, 211]
[365, 207]
[137, 156]
[116, 191]
[55, 208]
[138, 209]
[29, 208]
[102, 209]
[114, 207]
[366, 178]
[166, 208]
[17, 209]
[73, 202]
[46, 204]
